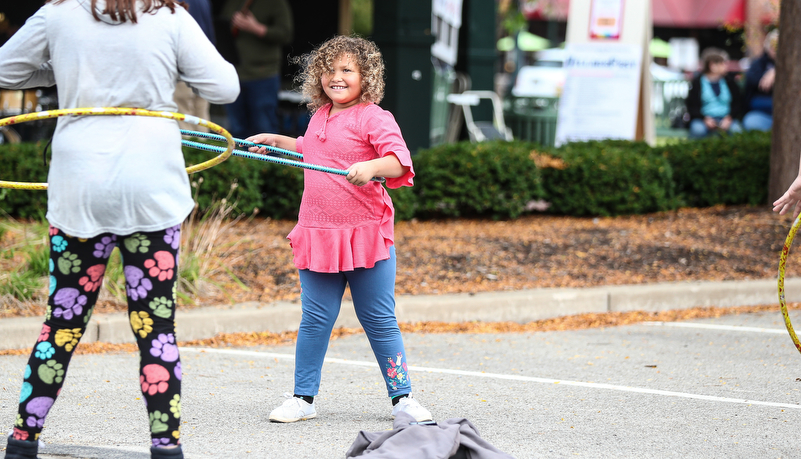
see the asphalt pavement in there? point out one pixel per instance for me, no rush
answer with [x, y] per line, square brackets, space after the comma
[722, 387]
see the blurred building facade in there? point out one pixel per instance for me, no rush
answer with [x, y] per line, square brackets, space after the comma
[738, 26]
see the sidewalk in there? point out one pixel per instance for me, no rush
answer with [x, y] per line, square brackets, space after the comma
[517, 306]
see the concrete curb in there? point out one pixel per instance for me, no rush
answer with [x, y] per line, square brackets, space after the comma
[517, 306]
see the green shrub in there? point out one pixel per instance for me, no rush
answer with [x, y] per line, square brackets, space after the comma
[721, 169]
[405, 202]
[489, 179]
[273, 189]
[282, 188]
[23, 162]
[241, 177]
[610, 177]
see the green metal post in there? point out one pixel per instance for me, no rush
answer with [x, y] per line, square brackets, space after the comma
[477, 55]
[402, 33]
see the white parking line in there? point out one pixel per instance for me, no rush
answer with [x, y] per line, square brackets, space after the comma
[715, 327]
[478, 374]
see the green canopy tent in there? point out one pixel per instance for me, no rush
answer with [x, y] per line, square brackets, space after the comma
[659, 48]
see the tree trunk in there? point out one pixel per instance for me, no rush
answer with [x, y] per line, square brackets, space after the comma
[784, 156]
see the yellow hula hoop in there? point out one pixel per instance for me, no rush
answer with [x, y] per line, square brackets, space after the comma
[124, 112]
[782, 262]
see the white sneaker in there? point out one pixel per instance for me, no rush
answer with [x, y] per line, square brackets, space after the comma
[293, 409]
[410, 406]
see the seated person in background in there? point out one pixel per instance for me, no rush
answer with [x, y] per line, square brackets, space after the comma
[759, 87]
[714, 101]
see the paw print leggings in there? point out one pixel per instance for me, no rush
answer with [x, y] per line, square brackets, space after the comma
[77, 267]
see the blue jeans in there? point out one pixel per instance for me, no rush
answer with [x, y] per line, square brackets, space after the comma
[756, 120]
[373, 291]
[255, 111]
[698, 129]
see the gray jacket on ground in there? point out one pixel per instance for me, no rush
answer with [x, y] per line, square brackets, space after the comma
[441, 441]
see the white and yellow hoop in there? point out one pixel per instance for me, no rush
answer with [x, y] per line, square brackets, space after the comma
[782, 268]
[123, 112]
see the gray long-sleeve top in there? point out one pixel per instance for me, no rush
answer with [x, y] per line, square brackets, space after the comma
[118, 174]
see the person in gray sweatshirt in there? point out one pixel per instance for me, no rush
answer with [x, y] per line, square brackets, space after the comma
[114, 181]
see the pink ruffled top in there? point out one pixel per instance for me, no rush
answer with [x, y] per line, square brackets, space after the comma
[342, 226]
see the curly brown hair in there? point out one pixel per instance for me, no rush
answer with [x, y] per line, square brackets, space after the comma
[321, 61]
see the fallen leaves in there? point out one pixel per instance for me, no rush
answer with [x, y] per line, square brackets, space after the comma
[575, 322]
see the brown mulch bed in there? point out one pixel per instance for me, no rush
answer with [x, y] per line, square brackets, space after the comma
[471, 256]
[458, 256]
[439, 257]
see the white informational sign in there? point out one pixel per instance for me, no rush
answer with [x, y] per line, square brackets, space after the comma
[449, 10]
[601, 95]
[684, 54]
[446, 19]
[606, 17]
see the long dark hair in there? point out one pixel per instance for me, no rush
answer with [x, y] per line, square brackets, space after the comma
[125, 10]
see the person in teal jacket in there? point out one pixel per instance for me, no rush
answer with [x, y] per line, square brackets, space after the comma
[714, 100]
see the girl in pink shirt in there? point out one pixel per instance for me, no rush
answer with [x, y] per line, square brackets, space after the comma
[345, 229]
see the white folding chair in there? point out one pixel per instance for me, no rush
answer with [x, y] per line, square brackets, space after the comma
[479, 131]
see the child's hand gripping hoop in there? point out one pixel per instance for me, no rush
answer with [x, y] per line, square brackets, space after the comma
[269, 157]
[782, 262]
[225, 153]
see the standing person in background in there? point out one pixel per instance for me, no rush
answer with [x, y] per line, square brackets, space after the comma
[346, 225]
[261, 28]
[714, 101]
[759, 80]
[114, 181]
[188, 101]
